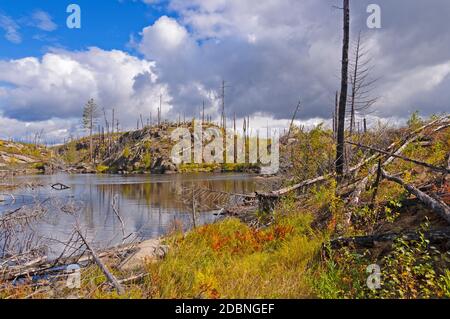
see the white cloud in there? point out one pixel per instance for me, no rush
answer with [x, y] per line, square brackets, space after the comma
[43, 21]
[11, 29]
[54, 130]
[164, 37]
[271, 53]
[59, 84]
[416, 82]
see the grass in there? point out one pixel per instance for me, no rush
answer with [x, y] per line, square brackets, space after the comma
[231, 260]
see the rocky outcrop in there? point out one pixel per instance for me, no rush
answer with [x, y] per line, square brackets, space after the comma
[146, 150]
[23, 157]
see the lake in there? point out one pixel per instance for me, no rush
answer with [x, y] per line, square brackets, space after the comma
[148, 204]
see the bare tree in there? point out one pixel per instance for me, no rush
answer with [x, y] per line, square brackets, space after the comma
[361, 85]
[223, 105]
[340, 160]
[90, 114]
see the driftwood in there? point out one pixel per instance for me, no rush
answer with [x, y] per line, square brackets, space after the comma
[111, 278]
[435, 204]
[45, 266]
[434, 236]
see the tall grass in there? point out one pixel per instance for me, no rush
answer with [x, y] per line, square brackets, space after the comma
[230, 260]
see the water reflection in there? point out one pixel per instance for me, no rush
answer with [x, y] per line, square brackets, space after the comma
[148, 204]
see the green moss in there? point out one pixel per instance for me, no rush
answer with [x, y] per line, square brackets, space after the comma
[38, 166]
[101, 169]
[147, 160]
[126, 152]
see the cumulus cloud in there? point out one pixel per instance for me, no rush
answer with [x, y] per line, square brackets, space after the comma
[53, 130]
[59, 84]
[273, 52]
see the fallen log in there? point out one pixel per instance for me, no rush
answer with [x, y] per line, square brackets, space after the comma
[111, 278]
[436, 237]
[132, 279]
[48, 266]
[438, 206]
[415, 135]
[308, 182]
[267, 201]
[432, 167]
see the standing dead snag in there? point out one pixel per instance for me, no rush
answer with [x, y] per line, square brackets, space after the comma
[293, 119]
[102, 266]
[340, 160]
[361, 85]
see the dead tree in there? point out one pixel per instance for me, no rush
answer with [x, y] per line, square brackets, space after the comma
[159, 109]
[412, 137]
[142, 121]
[361, 85]
[223, 105]
[436, 237]
[432, 167]
[340, 160]
[438, 206]
[293, 118]
[111, 278]
[335, 114]
[203, 113]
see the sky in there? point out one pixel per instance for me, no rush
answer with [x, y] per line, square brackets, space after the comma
[271, 53]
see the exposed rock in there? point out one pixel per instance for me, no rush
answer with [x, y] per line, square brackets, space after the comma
[147, 251]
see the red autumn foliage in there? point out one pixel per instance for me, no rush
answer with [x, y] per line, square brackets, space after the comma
[244, 240]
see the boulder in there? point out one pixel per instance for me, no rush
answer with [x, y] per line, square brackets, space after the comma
[147, 251]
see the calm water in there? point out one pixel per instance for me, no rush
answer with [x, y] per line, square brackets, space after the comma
[148, 204]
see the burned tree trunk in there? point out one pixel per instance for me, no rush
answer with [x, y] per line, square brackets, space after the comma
[340, 161]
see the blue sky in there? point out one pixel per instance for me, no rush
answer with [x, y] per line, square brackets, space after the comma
[271, 53]
[105, 24]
